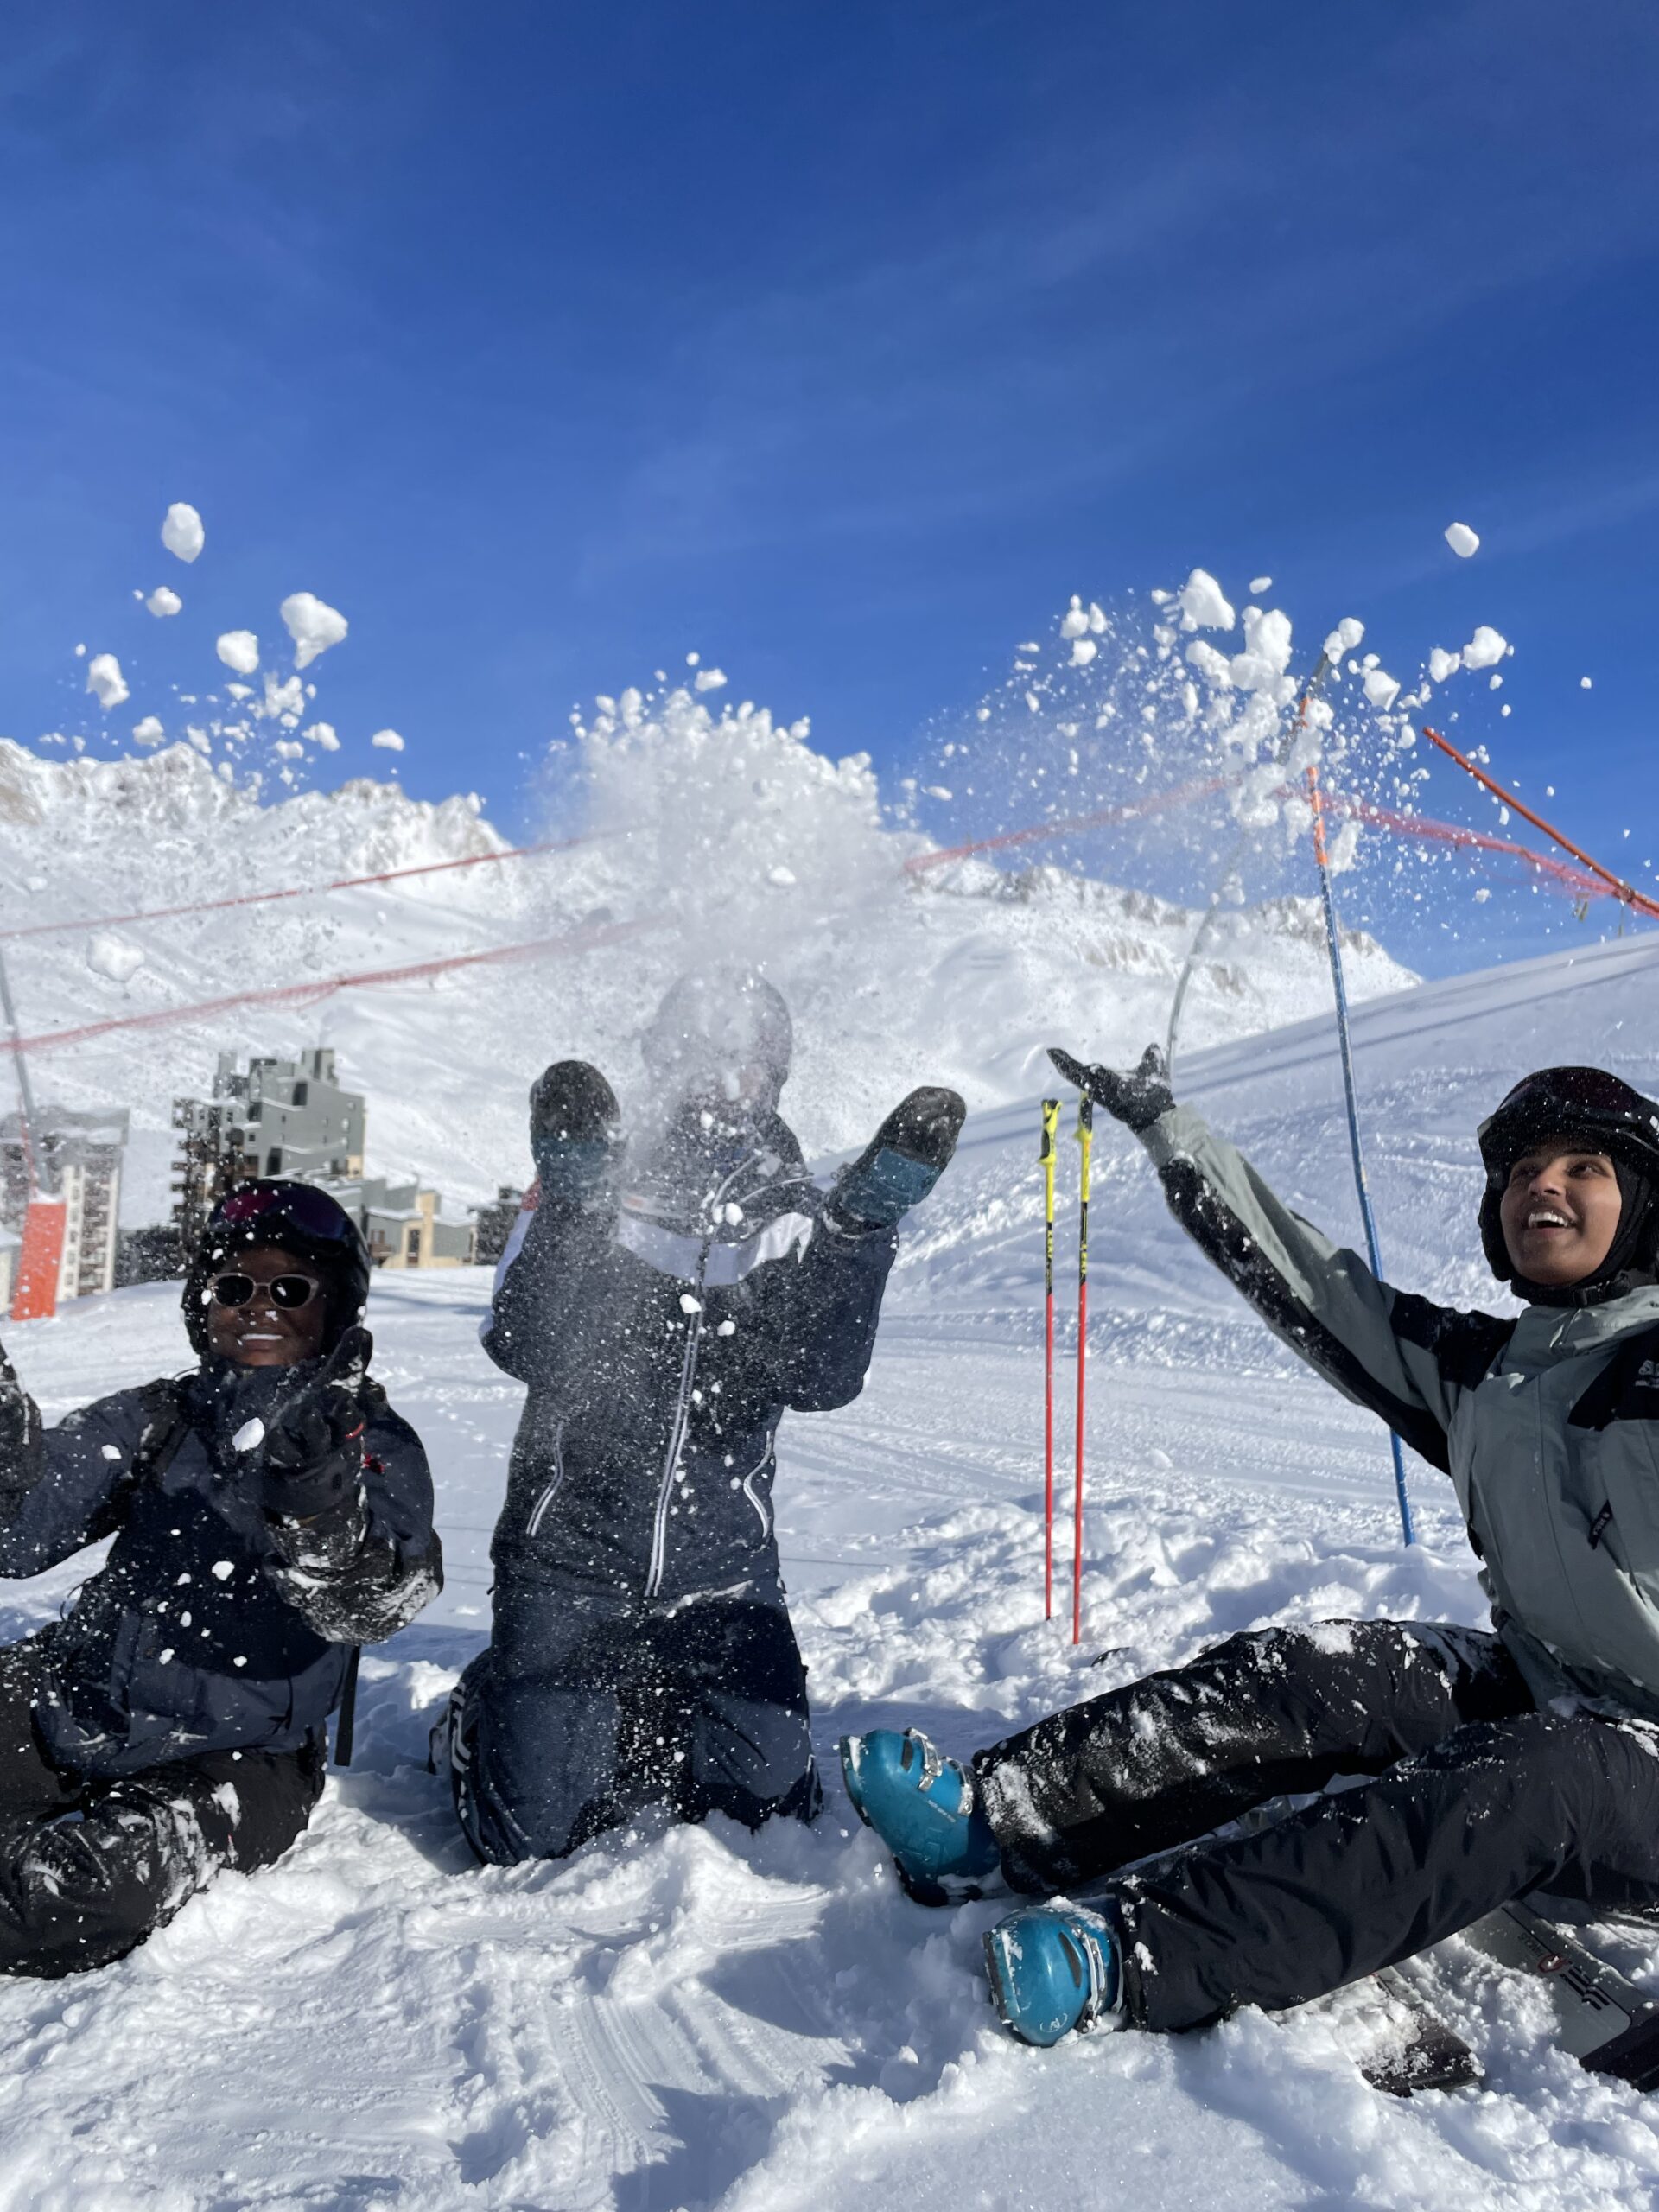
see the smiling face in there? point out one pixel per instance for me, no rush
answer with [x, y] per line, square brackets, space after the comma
[1559, 1212]
[262, 1333]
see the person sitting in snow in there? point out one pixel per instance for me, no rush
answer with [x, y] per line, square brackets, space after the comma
[270, 1513]
[1522, 1760]
[666, 1305]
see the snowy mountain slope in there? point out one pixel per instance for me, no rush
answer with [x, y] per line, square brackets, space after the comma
[711, 836]
[704, 2018]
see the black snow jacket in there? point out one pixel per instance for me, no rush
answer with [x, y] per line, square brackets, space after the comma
[212, 1625]
[662, 1337]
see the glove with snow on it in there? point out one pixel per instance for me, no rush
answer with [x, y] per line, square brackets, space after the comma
[20, 1429]
[310, 1454]
[1135, 1096]
[574, 1130]
[900, 1164]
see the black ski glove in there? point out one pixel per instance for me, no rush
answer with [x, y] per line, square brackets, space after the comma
[310, 1457]
[1135, 1096]
[900, 1164]
[574, 1131]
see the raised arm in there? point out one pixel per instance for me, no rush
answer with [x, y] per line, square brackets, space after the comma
[1390, 1351]
[59, 1488]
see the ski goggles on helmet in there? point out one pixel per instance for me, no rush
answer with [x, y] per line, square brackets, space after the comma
[271, 1205]
[1569, 1102]
[290, 1292]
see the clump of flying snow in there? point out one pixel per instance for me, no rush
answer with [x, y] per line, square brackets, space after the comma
[1259, 584]
[1462, 540]
[238, 648]
[1203, 604]
[181, 533]
[1584, 684]
[710, 679]
[162, 602]
[387, 740]
[323, 735]
[313, 625]
[149, 731]
[1485, 649]
[106, 682]
[112, 957]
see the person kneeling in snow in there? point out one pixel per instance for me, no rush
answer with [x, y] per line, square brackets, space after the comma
[270, 1513]
[1503, 1764]
[664, 1319]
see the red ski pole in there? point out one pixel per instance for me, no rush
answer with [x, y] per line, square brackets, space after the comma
[1086, 1140]
[1051, 1126]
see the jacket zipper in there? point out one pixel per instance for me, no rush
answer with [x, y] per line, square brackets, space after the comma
[682, 1410]
[539, 1511]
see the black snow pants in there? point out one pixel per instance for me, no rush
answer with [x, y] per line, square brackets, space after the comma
[88, 1869]
[587, 1709]
[1475, 1798]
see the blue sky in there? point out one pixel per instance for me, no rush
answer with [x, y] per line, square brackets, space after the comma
[842, 343]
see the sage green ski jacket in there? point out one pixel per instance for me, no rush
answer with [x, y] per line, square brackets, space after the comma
[1548, 1424]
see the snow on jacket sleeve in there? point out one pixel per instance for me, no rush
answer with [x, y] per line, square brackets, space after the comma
[813, 1329]
[540, 1284]
[60, 1487]
[361, 1572]
[1388, 1350]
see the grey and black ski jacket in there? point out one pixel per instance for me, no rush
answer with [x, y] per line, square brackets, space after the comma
[1548, 1424]
[661, 1353]
[212, 1626]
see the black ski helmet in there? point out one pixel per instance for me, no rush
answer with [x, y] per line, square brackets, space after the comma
[1608, 1114]
[296, 1217]
[714, 1023]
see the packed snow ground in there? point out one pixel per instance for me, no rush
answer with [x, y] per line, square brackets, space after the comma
[703, 2019]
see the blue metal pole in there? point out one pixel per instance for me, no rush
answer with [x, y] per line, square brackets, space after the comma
[1346, 1047]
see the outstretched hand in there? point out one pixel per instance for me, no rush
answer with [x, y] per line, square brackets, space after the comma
[1135, 1096]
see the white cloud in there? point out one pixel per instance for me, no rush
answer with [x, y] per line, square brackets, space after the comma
[181, 533]
[1204, 605]
[710, 679]
[238, 648]
[1462, 540]
[148, 732]
[1485, 649]
[162, 602]
[312, 625]
[322, 734]
[388, 740]
[105, 681]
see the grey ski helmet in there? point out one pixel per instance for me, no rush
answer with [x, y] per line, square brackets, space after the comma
[721, 1032]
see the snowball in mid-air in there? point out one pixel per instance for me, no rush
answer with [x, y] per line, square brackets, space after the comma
[113, 956]
[1259, 584]
[163, 602]
[106, 682]
[1442, 664]
[1382, 688]
[238, 648]
[181, 533]
[250, 1436]
[388, 740]
[1349, 632]
[322, 734]
[1203, 604]
[1485, 649]
[710, 679]
[312, 625]
[1082, 652]
[1584, 684]
[150, 731]
[1462, 540]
